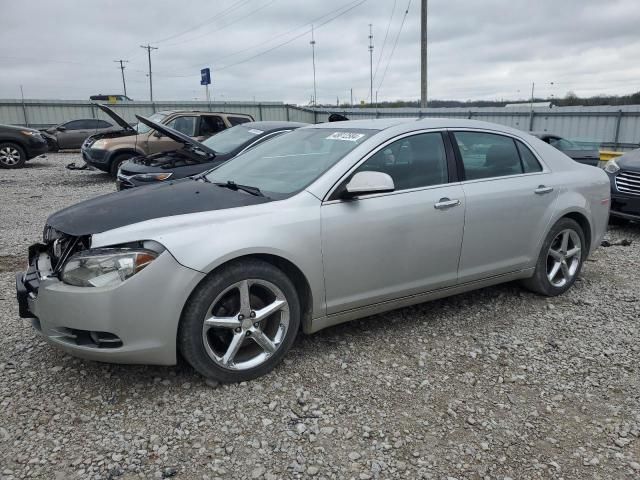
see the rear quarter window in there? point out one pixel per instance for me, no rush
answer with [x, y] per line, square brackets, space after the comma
[238, 120]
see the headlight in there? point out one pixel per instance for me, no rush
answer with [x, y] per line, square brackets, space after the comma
[31, 133]
[104, 267]
[99, 144]
[611, 167]
[152, 177]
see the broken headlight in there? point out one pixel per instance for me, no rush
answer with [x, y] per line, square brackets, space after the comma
[612, 166]
[105, 267]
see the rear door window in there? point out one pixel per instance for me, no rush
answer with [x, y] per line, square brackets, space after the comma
[238, 120]
[210, 125]
[488, 155]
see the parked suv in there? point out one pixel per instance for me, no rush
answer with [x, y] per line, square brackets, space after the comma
[19, 144]
[107, 151]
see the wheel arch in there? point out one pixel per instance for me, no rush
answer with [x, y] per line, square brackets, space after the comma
[295, 274]
[582, 220]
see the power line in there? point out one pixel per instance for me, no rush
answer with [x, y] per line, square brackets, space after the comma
[395, 44]
[384, 42]
[217, 16]
[263, 43]
[215, 30]
[124, 84]
[292, 39]
[148, 48]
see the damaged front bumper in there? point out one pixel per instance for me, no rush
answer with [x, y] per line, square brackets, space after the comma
[135, 321]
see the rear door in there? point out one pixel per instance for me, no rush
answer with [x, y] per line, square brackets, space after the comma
[510, 196]
[390, 245]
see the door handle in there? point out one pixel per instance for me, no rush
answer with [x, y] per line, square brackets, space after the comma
[542, 189]
[445, 203]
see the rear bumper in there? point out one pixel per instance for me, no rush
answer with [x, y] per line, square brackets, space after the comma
[133, 322]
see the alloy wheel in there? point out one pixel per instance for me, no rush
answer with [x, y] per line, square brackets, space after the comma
[245, 324]
[9, 156]
[563, 258]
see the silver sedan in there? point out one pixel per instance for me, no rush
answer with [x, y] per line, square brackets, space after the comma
[322, 225]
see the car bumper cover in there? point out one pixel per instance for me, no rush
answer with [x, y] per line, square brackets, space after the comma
[132, 322]
[625, 206]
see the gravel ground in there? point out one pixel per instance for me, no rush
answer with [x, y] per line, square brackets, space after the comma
[497, 384]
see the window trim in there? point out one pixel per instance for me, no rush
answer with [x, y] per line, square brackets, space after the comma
[331, 196]
[463, 179]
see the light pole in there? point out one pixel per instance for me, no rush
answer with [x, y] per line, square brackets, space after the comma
[371, 62]
[313, 57]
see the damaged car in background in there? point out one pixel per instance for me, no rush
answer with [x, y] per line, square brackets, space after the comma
[323, 225]
[624, 174]
[107, 151]
[196, 157]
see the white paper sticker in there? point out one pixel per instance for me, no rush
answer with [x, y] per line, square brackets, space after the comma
[255, 131]
[346, 136]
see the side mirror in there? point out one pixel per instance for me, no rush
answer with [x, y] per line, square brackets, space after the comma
[60, 128]
[365, 183]
[157, 134]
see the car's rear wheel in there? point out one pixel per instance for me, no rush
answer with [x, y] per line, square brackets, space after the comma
[240, 322]
[560, 260]
[117, 161]
[12, 155]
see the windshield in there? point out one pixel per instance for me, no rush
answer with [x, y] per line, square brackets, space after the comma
[290, 162]
[228, 140]
[156, 117]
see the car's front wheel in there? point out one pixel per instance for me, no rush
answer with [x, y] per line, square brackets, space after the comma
[560, 260]
[240, 322]
[12, 155]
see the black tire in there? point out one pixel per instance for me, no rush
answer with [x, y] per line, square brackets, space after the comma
[12, 155]
[540, 282]
[191, 341]
[117, 161]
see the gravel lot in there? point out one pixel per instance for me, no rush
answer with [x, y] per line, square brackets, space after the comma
[497, 384]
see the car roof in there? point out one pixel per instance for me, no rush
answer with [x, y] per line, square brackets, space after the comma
[205, 112]
[413, 123]
[273, 125]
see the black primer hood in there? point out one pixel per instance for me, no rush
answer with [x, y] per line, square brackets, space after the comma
[630, 160]
[127, 207]
[174, 134]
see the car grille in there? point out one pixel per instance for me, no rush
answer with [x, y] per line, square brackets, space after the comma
[628, 182]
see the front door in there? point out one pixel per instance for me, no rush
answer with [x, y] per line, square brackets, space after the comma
[510, 198]
[386, 246]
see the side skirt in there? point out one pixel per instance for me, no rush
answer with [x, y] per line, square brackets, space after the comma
[374, 309]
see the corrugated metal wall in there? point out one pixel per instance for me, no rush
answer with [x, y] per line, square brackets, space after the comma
[618, 127]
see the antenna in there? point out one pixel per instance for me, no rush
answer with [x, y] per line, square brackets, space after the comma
[148, 48]
[313, 56]
[124, 84]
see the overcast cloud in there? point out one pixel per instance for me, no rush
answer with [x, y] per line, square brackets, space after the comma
[487, 49]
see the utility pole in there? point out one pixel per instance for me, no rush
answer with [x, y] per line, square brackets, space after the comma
[351, 98]
[124, 84]
[371, 62]
[313, 56]
[423, 56]
[148, 48]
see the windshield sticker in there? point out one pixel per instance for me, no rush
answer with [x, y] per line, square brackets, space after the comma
[346, 136]
[255, 131]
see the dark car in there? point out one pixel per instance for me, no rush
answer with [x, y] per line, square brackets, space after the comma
[19, 144]
[196, 157]
[587, 156]
[624, 174]
[73, 133]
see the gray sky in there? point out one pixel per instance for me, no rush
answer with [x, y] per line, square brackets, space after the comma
[488, 49]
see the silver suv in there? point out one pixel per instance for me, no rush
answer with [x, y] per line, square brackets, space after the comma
[319, 226]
